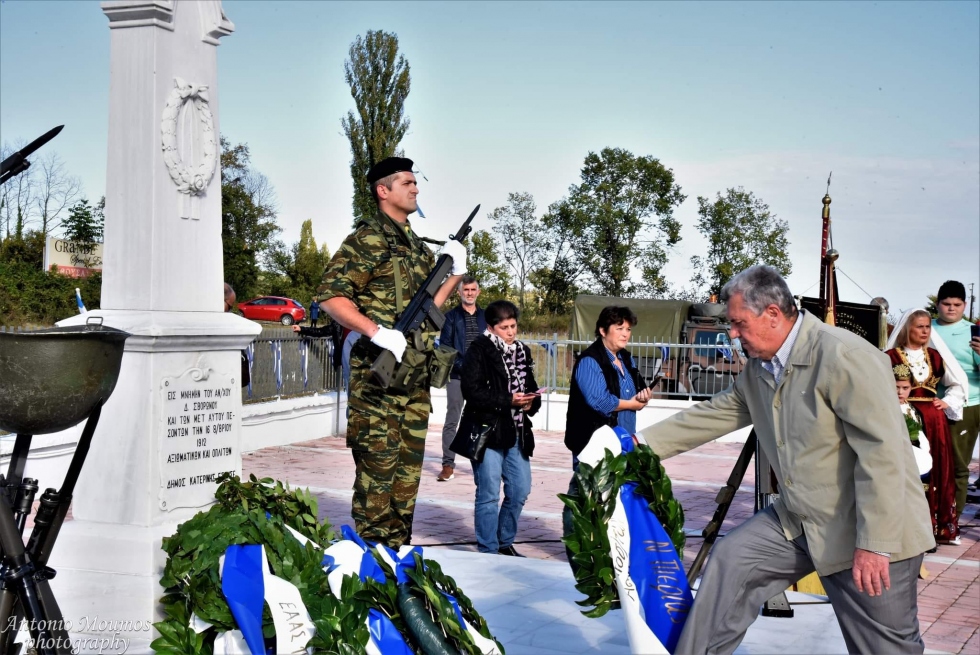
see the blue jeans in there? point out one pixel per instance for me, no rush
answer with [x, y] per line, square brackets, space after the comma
[496, 529]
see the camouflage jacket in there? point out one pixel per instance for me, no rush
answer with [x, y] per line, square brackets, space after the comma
[363, 270]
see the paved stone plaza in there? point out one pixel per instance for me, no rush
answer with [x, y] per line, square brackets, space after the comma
[949, 600]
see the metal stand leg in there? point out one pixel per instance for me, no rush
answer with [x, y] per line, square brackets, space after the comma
[724, 500]
[26, 593]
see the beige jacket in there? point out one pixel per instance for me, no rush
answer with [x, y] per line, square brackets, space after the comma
[835, 437]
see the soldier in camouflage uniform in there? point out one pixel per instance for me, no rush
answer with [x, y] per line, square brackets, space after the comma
[366, 285]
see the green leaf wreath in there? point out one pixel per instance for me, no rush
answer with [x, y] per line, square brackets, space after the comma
[913, 427]
[593, 506]
[257, 512]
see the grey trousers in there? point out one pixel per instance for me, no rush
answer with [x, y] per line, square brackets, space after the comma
[755, 562]
[454, 399]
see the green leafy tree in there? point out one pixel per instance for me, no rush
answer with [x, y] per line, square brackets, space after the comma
[556, 282]
[741, 232]
[84, 223]
[484, 263]
[620, 215]
[295, 271]
[248, 219]
[520, 232]
[379, 82]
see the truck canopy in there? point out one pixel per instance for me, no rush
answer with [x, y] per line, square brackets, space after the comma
[658, 321]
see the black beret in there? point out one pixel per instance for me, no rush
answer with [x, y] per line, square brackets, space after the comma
[389, 166]
[951, 289]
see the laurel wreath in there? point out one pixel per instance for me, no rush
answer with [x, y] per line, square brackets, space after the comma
[593, 506]
[257, 512]
[191, 182]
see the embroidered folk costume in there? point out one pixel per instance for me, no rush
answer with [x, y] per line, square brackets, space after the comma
[925, 371]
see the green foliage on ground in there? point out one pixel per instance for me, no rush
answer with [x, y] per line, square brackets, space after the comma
[259, 511]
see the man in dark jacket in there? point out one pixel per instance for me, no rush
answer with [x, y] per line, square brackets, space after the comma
[464, 323]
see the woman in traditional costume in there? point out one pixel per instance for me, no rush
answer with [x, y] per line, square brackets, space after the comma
[914, 345]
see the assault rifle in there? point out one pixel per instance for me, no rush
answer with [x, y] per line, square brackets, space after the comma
[421, 307]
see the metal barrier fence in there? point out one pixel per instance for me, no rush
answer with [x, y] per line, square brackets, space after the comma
[292, 365]
[281, 368]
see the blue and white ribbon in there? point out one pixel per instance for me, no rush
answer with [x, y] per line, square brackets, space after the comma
[250, 356]
[352, 556]
[304, 360]
[247, 585]
[276, 347]
[653, 589]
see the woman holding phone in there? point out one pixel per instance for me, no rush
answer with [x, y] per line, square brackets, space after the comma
[500, 391]
[606, 389]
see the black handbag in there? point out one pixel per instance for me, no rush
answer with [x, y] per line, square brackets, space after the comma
[471, 439]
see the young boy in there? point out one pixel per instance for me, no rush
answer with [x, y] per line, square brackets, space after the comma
[923, 460]
[903, 386]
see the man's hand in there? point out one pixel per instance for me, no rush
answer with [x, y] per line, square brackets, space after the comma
[457, 251]
[870, 572]
[392, 340]
[975, 345]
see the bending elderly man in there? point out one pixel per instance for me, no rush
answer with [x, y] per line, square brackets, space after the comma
[850, 504]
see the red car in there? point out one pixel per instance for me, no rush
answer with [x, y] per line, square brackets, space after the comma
[273, 308]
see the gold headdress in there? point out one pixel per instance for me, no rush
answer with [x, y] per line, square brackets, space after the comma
[902, 372]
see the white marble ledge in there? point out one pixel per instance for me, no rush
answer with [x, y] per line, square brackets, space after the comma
[275, 408]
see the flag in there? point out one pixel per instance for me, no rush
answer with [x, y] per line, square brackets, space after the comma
[78, 301]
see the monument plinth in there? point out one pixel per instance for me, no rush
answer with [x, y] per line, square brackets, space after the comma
[173, 424]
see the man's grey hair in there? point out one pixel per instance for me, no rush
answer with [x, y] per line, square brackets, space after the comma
[761, 286]
[468, 279]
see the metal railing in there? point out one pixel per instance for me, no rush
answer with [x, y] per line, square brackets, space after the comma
[290, 365]
[280, 368]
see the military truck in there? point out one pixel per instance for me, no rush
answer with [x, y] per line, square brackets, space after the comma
[684, 347]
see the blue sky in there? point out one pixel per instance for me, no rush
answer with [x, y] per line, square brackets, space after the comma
[512, 96]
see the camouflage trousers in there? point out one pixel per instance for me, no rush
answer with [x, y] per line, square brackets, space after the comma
[386, 435]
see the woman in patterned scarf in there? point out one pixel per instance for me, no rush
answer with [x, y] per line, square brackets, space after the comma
[499, 389]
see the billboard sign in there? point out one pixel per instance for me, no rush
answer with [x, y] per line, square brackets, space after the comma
[73, 258]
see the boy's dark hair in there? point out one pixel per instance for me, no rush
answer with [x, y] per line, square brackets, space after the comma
[613, 315]
[951, 289]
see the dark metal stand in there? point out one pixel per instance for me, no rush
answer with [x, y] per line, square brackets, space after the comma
[25, 592]
[777, 605]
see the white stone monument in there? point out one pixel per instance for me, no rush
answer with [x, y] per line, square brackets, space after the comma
[173, 422]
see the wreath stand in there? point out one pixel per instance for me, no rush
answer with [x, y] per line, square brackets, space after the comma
[50, 380]
[778, 605]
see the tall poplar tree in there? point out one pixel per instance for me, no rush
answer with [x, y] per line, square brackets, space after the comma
[379, 82]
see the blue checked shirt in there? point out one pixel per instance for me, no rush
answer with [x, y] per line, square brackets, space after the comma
[593, 385]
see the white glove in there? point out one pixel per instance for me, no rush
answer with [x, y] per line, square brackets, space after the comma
[457, 251]
[392, 340]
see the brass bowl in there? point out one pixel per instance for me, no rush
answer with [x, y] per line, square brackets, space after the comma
[52, 379]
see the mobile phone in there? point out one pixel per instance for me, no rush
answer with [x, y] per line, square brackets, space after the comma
[975, 331]
[538, 392]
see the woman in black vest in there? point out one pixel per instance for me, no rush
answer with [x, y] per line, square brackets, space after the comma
[500, 390]
[606, 389]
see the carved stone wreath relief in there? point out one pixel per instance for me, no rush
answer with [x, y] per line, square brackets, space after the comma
[192, 178]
